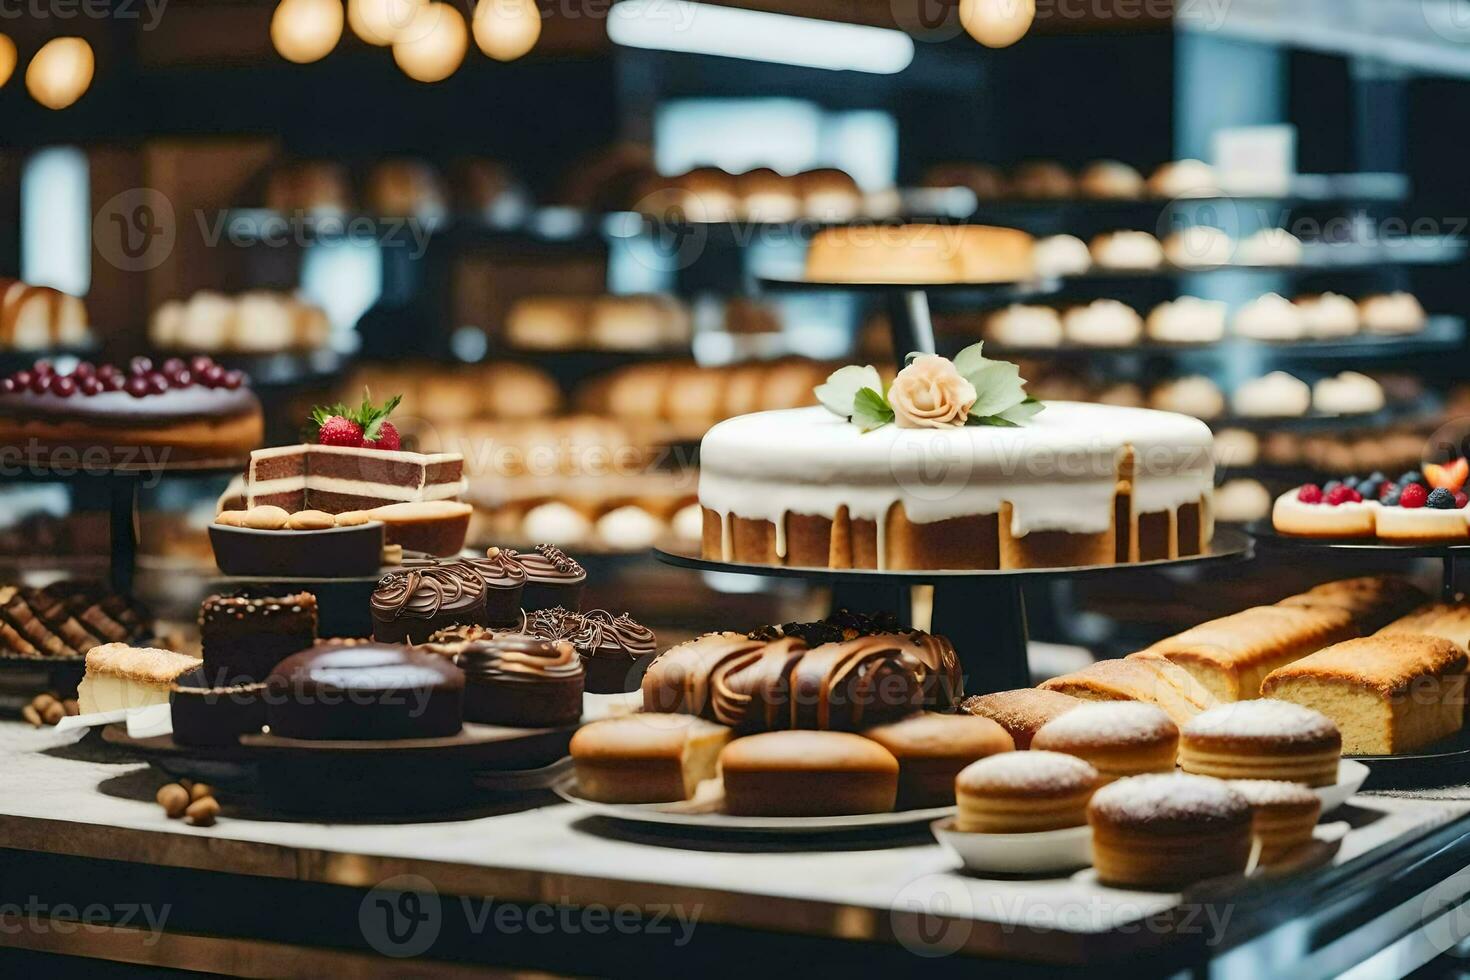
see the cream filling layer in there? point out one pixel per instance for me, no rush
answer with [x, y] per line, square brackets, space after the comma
[1059, 472]
[359, 488]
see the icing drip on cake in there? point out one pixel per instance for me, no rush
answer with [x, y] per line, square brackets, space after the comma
[1060, 471]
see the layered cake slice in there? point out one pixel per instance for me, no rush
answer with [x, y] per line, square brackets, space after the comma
[119, 676]
[355, 464]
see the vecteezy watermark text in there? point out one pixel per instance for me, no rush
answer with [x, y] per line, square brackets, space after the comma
[35, 917]
[147, 12]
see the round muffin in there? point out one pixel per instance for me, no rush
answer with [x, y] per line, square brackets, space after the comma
[1024, 793]
[1168, 831]
[522, 682]
[1282, 815]
[808, 774]
[505, 580]
[932, 748]
[1119, 738]
[1262, 739]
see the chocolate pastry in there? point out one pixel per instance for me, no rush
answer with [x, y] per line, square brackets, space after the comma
[754, 694]
[505, 583]
[66, 620]
[615, 650]
[680, 680]
[849, 686]
[246, 635]
[208, 710]
[939, 669]
[522, 682]
[367, 691]
[452, 639]
[552, 579]
[409, 605]
[842, 625]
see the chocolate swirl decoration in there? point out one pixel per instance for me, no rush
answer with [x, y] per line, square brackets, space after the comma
[849, 686]
[680, 680]
[514, 659]
[548, 563]
[422, 592]
[499, 569]
[938, 667]
[596, 633]
[752, 691]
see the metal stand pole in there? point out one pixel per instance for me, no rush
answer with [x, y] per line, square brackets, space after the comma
[122, 497]
[986, 621]
[908, 321]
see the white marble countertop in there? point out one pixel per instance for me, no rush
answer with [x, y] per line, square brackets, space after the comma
[63, 795]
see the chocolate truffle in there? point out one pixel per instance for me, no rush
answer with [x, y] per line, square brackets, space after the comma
[368, 691]
[505, 583]
[616, 651]
[410, 604]
[522, 681]
[552, 579]
[246, 635]
[207, 710]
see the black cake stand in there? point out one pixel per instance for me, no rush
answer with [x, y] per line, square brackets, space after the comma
[982, 613]
[121, 484]
[1452, 555]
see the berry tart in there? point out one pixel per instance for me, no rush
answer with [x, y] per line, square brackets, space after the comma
[1420, 507]
[106, 417]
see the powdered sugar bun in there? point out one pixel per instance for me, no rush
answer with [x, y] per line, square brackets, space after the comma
[1168, 831]
[1262, 739]
[1119, 738]
[1283, 815]
[1024, 792]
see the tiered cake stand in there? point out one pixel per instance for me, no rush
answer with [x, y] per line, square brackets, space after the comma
[983, 613]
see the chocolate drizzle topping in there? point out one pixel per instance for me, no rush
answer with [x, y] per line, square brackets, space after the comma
[519, 660]
[548, 562]
[421, 592]
[499, 569]
[596, 633]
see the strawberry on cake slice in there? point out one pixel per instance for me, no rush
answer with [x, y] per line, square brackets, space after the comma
[356, 463]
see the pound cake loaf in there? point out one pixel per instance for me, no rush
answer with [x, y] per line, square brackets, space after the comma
[1141, 677]
[1232, 655]
[1386, 693]
[1446, 620]
[1077, 484]
[1372, 600]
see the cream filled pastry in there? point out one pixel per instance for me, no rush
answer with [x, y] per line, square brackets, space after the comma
[1393, 313]
[1128, 250]
[1199, 246]
[1348, 393]
[1329, 315]
[803, 487]
[1195, 395]
[1270, 246]
[1184, 178]
[1270, 317]
[1025, 326]
[1276, 394]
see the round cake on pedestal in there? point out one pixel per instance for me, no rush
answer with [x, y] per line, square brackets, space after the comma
[1075, 485]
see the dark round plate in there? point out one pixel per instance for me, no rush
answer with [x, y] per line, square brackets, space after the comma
[219, 765]
[480, 746]
[1267, 536]
[1444, 763]
[1228, 545]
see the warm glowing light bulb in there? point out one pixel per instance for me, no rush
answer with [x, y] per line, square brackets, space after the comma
[60, 72]
[433, 44]
[7, 58]
[381, 22]
[997, 23]
[304, 31]
[507, 29]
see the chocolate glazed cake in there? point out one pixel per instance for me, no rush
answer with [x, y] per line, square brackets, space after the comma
[552, 579]
[522, 682]
[367, 691]
[410, 605]
[245, 636]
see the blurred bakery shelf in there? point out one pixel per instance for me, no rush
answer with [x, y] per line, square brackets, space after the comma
[1440, 333]
[279, 369]
[13, 360]
[1426, 409]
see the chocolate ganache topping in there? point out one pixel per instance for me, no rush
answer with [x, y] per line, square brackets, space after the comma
[548, 562]
[595, 634]
[515, 659]
[500, 569]
[423, 591]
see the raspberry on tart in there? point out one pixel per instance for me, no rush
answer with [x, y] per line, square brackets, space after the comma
[1420, 516]
[1334, 510]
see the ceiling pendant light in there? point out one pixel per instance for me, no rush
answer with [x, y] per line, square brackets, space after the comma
[61, 72]
[997, 23]
[381, 22]
[304, 31]
[433, 44]
[506, 29]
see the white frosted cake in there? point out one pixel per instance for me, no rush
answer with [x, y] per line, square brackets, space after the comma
[1077, 484]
